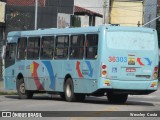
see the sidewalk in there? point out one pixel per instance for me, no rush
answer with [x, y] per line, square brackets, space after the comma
[1, 85]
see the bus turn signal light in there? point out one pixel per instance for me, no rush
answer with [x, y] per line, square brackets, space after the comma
[104, 72]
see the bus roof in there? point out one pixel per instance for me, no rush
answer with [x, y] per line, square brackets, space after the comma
[13, 36]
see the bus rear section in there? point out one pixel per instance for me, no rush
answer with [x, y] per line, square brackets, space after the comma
[129, 63]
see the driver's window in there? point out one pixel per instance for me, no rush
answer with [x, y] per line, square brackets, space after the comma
[10, 52]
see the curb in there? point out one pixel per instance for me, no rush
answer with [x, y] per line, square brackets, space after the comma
[7, 92]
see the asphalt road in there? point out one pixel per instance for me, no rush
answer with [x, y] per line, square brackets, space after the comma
[45, 102]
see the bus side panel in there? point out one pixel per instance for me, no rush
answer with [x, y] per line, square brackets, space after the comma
[83, 74]
[20, 68]
[39, 75]
[10, 78]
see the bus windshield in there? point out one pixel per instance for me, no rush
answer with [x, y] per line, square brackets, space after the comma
[125, 40]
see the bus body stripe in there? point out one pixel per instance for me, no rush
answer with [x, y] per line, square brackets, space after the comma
[78, 69]
[48, 65]
[35, 76]
[90, 68]
[139, 62]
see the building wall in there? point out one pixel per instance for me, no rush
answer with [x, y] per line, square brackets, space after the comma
[93, 5]
[158, 23]
[2, 25]
[20, 17]
[2, 12]
[158, 7]
[150, 12]
[126, 13]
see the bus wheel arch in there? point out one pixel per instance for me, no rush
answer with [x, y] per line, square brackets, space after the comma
[62, 94]
[69, 90]
[66, 77]
[69, 94]
[20, 86]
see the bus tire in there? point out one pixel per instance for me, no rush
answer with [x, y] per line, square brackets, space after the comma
[69, 91]
[117, 98]
[23, 94]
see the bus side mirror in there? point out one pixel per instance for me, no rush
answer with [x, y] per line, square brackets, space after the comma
[3, 52]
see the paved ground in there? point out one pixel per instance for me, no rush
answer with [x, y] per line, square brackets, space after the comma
[98, 104]
[45, 102]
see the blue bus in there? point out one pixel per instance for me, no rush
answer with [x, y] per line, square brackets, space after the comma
[106, 60]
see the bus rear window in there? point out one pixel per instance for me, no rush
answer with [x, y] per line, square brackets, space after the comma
[130, 40]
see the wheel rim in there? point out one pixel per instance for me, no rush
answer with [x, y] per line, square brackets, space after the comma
[22, 88]
[68, 91]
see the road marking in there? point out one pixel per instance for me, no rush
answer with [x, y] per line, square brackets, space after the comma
[96, 113]
[113, 108]
[150, 102]
[143, 96]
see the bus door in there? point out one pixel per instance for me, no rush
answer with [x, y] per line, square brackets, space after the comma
[10, 66]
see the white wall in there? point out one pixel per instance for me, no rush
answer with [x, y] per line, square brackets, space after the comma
[93, 5]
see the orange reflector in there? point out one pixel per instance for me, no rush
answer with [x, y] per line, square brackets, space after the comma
[104, 72]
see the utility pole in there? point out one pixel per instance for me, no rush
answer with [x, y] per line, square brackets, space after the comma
[36, 12]
[104, 11]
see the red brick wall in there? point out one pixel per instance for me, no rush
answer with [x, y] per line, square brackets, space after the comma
[25, 2]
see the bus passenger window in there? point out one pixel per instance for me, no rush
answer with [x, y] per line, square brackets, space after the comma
[47, 47]
[33, 48]
[77, 47]
[62, 44]
[91, 46]
[21, 50]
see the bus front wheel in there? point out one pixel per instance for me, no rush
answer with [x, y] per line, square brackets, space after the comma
[69, 90]
[23, 94]
[117, 98]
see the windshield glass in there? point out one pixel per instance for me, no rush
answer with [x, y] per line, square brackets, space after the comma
[125, 40]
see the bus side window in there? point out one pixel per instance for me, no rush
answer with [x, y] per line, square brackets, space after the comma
[33, 48]
[91, 46]
[47, 47]
[62, 44]
[77, 47]
[21, 50]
